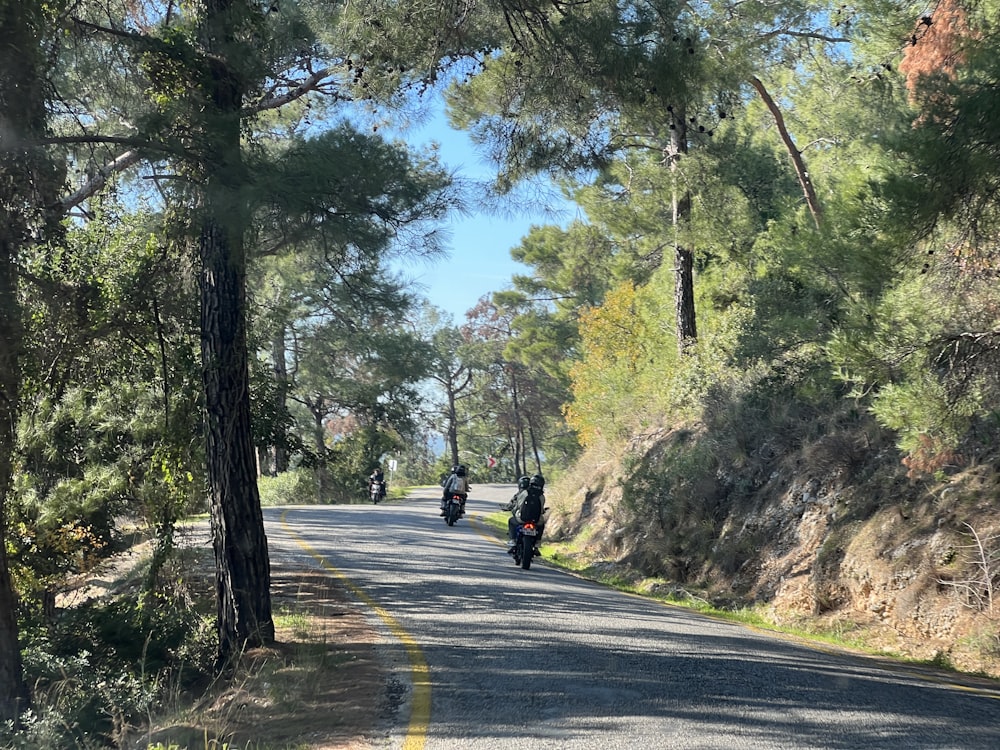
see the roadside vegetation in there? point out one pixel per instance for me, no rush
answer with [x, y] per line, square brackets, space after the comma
[122, 670]
[759, 365]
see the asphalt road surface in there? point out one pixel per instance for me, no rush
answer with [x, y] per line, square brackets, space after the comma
[486, 655]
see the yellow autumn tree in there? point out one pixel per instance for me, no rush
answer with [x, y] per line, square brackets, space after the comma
[614, 338]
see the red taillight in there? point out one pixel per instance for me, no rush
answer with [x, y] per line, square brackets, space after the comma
[529, 525]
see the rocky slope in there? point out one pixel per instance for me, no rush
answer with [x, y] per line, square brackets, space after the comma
[834, 536]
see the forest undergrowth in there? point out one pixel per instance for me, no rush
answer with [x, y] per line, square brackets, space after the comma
[318, 687]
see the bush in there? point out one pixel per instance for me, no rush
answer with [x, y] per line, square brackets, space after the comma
[101, 667]
[294, 487]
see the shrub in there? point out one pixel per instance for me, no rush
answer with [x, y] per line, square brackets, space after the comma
[295, 487]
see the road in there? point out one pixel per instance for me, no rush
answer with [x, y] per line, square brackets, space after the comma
[491, 656]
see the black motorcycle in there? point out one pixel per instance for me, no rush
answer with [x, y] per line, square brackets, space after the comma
[525, 544]
[452, 509]
[376, 491]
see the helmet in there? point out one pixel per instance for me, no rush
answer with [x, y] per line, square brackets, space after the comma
[460, 470]
[537, 481]
[522, 483]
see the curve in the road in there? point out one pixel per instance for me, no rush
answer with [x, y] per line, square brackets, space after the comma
[613, 672]
[420, 706]
[926, 675]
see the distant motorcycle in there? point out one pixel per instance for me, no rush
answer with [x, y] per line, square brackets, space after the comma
[452, 509]
[376, 491]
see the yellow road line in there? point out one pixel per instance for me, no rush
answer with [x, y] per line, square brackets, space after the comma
[485, 531]
[420, 704]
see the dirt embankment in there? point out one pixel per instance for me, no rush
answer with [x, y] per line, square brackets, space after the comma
[849, 545]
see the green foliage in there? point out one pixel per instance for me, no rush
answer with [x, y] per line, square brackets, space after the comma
[415, 462]
[344, 467]
[331, 316]
[353, 194]
[294, 487]
[101, 667]
[912, 352]
[562, 98]
[670, 495]
[613, 345]
[888, 307]
[111, 425]
[952, 144]
[87, 463]
[513, 409]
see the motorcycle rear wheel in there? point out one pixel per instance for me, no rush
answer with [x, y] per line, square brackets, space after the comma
[527, 551]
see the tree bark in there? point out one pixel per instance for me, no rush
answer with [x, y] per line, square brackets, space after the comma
[319, 444]
[243, 578]
[453, 425]
[687, 329]
[520, 446]
[28, 182]
[14, 697]
[281, 393]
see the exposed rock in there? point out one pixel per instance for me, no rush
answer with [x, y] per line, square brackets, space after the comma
[830, 538]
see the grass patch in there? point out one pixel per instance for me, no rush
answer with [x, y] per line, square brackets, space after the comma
[320, 679]
[295, 621]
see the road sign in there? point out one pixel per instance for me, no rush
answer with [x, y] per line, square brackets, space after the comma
[490, 462]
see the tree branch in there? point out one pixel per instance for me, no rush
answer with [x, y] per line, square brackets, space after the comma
[100, 179]
[800, 168]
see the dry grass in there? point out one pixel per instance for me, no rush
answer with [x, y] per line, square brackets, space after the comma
[319, 687]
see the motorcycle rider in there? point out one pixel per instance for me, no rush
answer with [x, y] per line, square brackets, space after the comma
[533, 488]
[456, 484]
[522, 484]
[377, 476]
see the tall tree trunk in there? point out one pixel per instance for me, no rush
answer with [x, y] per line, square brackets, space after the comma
[521, 449]
[243, 578]
[515, 455]
[534, 449]
[453, 426]
[28, 183]
[687, 329]
[278, 354]
[13, 691]
[319, 444]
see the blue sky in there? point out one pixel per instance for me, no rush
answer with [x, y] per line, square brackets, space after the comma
[479, 259]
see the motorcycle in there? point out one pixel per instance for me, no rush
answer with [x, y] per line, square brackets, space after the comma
[453, 509]
[525, 544]
[376, 491]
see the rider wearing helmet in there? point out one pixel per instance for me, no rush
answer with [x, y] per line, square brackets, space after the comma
[456, 484]
[531, 498]
[522, 484]
[377, 478]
